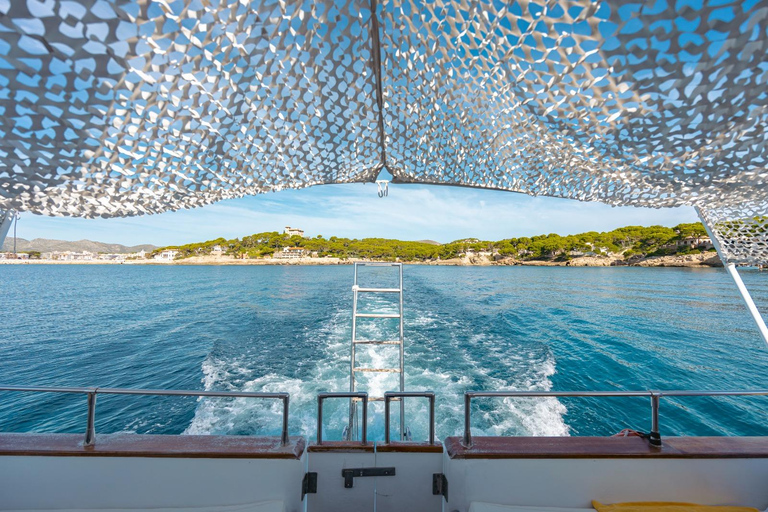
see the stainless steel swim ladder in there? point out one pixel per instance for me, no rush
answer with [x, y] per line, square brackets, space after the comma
[354, 368]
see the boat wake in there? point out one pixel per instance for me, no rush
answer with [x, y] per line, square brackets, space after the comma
[448, 355]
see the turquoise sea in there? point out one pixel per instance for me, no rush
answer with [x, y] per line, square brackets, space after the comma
[287, 328]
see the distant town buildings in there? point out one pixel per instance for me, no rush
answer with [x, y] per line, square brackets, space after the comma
[14, 256]
[293, 231]
[73, 256]
[290, 253]
[68, 256]
[112, 257]
[121, 257]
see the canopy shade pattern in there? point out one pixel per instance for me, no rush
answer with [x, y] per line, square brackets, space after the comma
[123, 107]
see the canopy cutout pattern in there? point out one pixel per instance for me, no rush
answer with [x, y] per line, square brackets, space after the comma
[123, 107]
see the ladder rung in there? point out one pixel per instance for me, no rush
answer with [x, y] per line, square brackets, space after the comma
[377, 315]
[371, 342]
[386, 370]
[379, 290]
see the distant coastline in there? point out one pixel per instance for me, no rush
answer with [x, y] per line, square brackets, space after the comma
[685, 245]
[707, 259]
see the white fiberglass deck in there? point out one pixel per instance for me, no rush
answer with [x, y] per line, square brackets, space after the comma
[223, 474]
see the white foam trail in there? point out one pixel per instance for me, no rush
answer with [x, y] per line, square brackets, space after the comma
[331, 373]
[245, 415]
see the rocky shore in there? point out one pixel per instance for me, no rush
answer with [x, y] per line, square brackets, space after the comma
[707, 259]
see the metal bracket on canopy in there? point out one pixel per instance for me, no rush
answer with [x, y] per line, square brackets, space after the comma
[383, 186]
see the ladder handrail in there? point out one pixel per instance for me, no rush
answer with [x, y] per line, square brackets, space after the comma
[430, 395]
[322, 396]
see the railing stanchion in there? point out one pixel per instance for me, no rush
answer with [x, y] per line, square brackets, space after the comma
[432, 418]
[386, 417]
[364, 430]
[655, 437]
[90, 429]
[320, 419]
[467, 433]
[284, 435]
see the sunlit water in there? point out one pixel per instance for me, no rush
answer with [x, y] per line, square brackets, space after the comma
[288, 328]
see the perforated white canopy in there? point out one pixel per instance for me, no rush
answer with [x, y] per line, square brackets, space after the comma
[122, 107]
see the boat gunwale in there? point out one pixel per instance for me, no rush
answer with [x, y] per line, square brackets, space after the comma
[594, 447]
[152, 445]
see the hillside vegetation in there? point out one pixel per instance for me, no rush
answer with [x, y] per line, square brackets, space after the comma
[629, 242]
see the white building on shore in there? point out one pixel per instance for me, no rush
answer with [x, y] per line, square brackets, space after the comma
[290, 253]
[293, 231]
[167, 255]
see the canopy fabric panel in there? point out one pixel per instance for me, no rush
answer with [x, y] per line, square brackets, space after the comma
[117, 108]
[123, 107]
[647, 103]
[741, 232]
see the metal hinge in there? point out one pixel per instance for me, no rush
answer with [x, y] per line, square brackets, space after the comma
[440, 485]
[309, 484]
[350, 474]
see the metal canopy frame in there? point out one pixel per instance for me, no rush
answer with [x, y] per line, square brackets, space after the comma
[6, 220]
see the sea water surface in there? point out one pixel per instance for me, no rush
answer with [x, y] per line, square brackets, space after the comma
[288, 328]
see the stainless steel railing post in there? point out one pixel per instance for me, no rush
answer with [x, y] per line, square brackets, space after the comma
[432, 419]
[655, 437]
[284, 435]
[467, 433]
[320, 418]
[387, 398]
[364, 430]
[389, 395]
[90, 429]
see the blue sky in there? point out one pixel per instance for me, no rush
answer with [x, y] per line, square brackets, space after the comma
[410, 212]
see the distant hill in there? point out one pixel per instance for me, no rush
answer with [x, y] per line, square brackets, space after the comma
[627, 244]
[430, 242]
[46, 245]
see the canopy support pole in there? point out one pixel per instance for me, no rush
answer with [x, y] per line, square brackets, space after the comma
[6, 219]
[734, 273]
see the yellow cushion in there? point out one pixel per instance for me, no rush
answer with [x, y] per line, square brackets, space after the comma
[661, 506]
